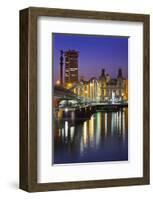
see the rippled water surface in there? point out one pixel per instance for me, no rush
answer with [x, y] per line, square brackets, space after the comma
[102, 137]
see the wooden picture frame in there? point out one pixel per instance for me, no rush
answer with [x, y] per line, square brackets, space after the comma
[28, 98]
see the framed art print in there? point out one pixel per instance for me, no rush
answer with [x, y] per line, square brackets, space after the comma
[84, 99]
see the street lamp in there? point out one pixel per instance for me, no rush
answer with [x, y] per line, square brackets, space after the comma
[122, 96]
[57, 82]
[69, 85]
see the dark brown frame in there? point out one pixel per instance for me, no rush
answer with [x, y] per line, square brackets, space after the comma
[28, 99]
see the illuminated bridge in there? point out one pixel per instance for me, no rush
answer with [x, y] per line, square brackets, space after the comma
[75, 107]
[63, 94]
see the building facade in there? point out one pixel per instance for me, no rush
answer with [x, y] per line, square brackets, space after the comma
[71, 68]
[104, 89]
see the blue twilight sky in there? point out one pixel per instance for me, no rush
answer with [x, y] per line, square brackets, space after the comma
[95, 53]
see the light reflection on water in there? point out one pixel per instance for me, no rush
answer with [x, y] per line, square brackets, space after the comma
[103, 137]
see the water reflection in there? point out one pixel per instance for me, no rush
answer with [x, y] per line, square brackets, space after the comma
[103, 137]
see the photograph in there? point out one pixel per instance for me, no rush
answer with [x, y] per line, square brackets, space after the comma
[90, 98]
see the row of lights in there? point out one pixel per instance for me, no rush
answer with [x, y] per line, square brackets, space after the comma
[69, 85]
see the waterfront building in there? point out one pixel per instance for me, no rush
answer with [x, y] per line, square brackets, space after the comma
[125, 89]
[104, 89]
[112, 88]
[71, 68]
[103, 85]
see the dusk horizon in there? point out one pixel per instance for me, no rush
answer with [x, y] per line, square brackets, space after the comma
[95, 53]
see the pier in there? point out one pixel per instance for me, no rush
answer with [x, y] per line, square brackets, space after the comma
[83, 112]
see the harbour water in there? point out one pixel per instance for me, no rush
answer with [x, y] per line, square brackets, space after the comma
[102, 137]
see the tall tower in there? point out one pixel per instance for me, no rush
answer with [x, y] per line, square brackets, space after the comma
[102, 82]
[71, 67]
[120, 73]
[61, 67]
[120, 83]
